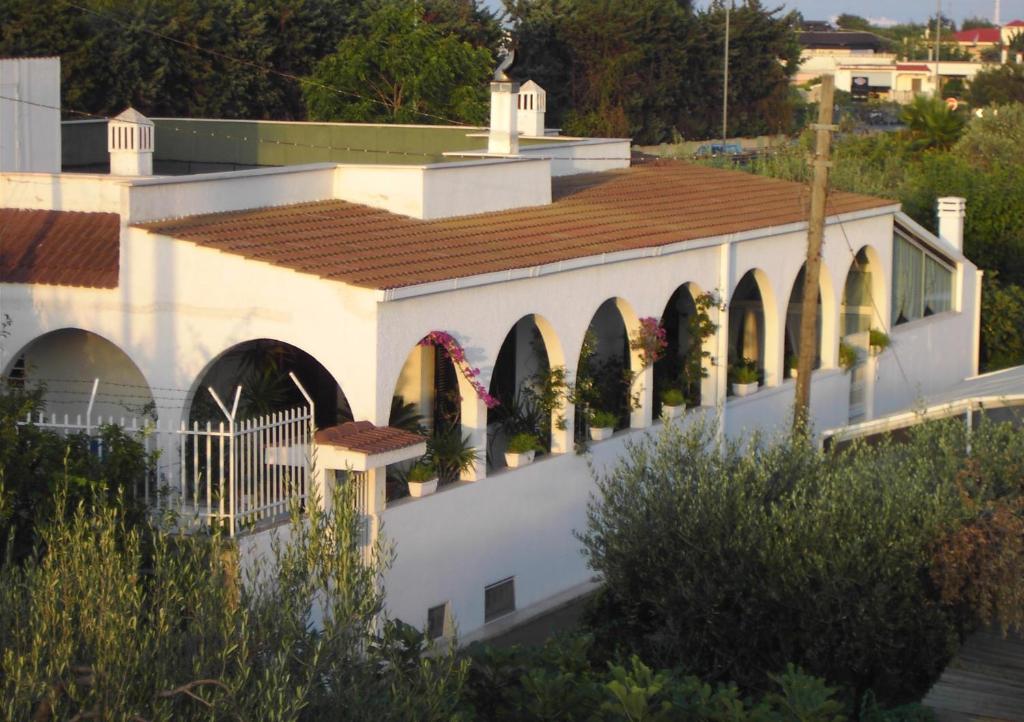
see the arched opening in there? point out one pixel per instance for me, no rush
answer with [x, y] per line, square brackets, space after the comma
[428, 398]
[65, 364]
[681, 367]
[861, 294]
[747, 330]
[262, 367]
[794, 318]
[604, 374]
[527, 390]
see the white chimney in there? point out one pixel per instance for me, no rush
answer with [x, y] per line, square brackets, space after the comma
[503, 138]
[30, 115]
[530, 115]
[130, 143]
[951, 220]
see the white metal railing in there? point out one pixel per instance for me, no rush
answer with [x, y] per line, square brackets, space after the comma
[960, 407]
[233, 473]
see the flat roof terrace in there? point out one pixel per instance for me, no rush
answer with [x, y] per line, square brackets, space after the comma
[184, 146]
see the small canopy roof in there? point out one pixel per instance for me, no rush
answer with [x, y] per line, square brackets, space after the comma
[360, 445]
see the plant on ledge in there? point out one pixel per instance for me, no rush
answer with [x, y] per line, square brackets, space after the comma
[524, 443]
[451, 348]
[700, 328]
[672, 397]
[603, 420]
[847, 356]
[744, 372]
[650, 340]
[450, 453]
[878, 340]
[422, 479]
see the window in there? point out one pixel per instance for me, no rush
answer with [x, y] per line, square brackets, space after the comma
[499, 599]
[437, 621]
[921, 285]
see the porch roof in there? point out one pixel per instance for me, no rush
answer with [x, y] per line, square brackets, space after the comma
[657, 204]
[61, 248]
[360, 445]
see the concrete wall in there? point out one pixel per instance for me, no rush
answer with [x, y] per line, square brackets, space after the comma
[30, 115]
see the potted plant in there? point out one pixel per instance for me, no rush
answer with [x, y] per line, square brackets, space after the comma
[744, 378]
[521, 449]
[673, 403]
[602, 424]
[792, 362]
[878, 341]
[422, 479]
[847, 356]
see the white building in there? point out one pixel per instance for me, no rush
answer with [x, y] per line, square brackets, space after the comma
[153, 283]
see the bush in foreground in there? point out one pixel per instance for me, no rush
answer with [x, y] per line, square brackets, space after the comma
[864, 566]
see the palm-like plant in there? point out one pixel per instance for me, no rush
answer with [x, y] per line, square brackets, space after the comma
[931, 123]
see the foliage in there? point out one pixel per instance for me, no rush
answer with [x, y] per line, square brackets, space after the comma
[563, 680]
[744, 371]
[450, 453]
[1002, 323]
[700, 329]
[109, 622]
[739, 557]
[652, 69]
[34, 462]
[648, 340]
[994, 140]
[523, 443]
[420, 472]
[398, 68]
[453, 350]
[603, 419]
[405, 416]
[848, 356]
[931, 123]
[878, 339]
[672, 397]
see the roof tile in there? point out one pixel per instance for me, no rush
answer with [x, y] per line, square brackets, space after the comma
[62, 248]
[598, 213]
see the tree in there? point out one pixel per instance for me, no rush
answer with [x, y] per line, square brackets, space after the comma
[847, 21]
[399, 68]
[931, 123]
[975, 22]
[728, 560]
[997, 86]
[1002, 324]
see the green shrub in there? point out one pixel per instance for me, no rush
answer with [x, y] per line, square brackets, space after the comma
[737, 559]
[603, 419]
[673, 397]
[105, 623]
[523, 443]
[421, 471]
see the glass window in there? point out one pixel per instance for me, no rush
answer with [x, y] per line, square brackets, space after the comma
[921, 286]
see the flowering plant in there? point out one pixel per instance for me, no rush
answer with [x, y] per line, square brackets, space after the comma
[649, 339]
[451, 348]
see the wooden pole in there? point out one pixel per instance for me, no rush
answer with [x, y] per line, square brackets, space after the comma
[812, 269]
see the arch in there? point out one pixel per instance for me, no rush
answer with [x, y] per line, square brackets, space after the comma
[261, 367]
[608, 373]
[521, 371]
[65, 362]
[826, 315]
[672, 370]
[863, 294]
[754, 334]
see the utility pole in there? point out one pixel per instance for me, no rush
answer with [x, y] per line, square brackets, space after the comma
[938, 47]
[725, 82]
[812, 269]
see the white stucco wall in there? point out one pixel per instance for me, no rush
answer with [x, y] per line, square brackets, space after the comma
[30, 114]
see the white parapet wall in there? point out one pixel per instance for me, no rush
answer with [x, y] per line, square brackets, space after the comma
[445, 190]
[90, 193]
[30, 115]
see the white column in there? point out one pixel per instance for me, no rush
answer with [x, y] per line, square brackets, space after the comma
[474, 424]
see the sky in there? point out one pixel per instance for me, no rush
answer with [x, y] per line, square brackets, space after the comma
[889, 11]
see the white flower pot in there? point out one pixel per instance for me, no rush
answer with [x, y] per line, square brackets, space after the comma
[514, 460]
[739, 389]
[793, 373]
[422, 488]
[672, 412]
[600, 433]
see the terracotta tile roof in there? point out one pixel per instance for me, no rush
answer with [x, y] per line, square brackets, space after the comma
[911, 66]
[365, 438]
[977, 35]
[592, 214]
[61, 248]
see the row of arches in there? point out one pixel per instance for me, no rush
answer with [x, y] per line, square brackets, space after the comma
[431, 395]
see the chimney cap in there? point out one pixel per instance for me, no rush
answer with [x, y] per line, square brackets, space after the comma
[130, 115]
